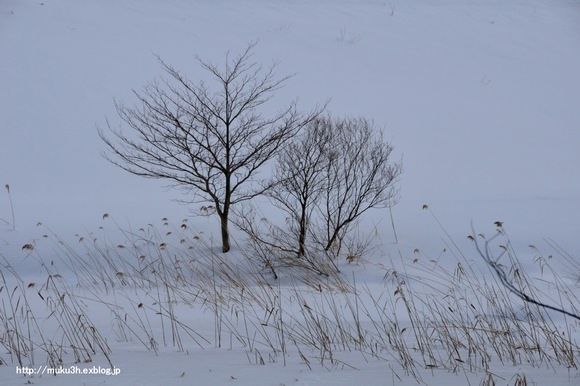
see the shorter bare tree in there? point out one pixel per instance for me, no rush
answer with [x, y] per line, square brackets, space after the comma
[210, 140]
[359, 176]
[300, 178]
[325, 180]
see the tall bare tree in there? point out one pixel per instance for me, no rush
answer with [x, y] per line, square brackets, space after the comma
[210, 140]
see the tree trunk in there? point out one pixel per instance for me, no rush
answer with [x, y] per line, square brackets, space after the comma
[302, 233]
[301, 242]
[225, 233]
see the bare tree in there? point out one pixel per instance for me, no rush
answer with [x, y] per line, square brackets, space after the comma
[324, 181]
[359, 176]
[210, 141]
[299, 176]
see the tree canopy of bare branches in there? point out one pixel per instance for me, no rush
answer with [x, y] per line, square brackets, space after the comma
[300, 177]
[325, 180]
[210, 139]
[359, 176]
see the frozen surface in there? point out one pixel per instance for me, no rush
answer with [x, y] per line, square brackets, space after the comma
[480, 98]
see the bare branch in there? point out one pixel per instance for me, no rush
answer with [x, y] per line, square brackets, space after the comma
[212, 140]
[497, 268]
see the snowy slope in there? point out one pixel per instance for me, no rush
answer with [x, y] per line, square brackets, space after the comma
[481, 99]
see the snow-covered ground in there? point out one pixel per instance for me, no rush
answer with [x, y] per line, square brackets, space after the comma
[481, 99]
